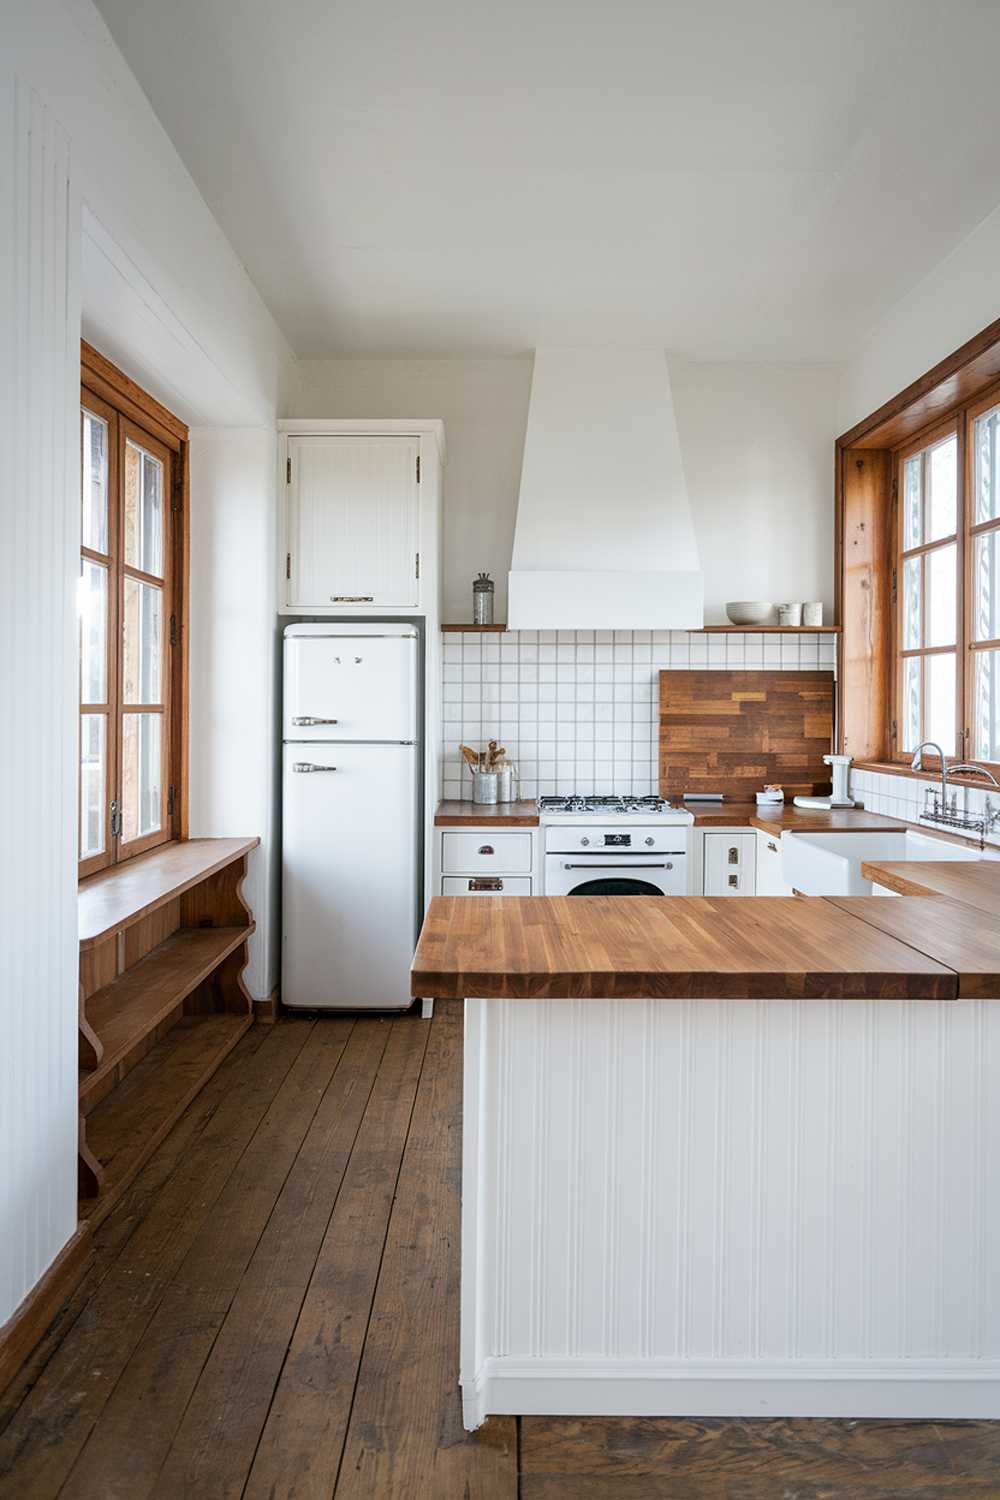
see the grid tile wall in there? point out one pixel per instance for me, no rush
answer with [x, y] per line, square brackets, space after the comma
[904, 797]
[577, 709]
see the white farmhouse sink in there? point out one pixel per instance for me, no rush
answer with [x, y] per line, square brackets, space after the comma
[829, 864]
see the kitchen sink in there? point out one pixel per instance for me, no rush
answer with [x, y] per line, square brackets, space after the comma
[829, 864]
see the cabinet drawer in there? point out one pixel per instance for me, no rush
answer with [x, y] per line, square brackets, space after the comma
[486, 853]
[486, 885]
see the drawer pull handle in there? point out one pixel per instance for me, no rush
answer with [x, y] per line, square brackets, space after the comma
[772, 846]
[734, 856]
[487, 849]
[352, 598]
[486, 883]
[734, 882]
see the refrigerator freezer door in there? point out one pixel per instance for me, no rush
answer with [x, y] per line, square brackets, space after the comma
[350, 687]
[349, 898]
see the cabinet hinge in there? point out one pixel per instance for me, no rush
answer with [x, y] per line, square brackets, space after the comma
[288, 565]
[173, 630]
[288, 471]
[418, 468]
[170, 801]
[418, 564]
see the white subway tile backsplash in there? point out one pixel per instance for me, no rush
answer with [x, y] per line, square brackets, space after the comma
[578, 710]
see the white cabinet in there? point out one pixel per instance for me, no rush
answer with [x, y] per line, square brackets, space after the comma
[769, 874]
[360, 517]
[730, 864]
[488, 862]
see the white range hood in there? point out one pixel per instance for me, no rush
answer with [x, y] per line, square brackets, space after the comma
[604, 537]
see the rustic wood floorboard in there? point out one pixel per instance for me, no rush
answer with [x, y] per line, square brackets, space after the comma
[272, 1313]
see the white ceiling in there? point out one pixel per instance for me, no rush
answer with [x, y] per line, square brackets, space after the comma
[725, 178]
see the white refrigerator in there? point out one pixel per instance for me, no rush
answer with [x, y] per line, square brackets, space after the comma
[350, 815]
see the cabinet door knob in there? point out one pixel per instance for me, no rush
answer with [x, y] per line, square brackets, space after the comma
[487, 849]
[772, 846]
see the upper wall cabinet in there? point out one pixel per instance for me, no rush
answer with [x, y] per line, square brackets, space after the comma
[361, 518]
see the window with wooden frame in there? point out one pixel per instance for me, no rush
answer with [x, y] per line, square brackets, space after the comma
[132, 549]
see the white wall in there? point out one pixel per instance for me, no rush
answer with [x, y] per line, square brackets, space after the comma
[954, 302]
[756, 441]
[98, 216]
[233, 604]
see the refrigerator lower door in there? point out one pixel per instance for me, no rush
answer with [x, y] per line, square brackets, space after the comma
[349, 892]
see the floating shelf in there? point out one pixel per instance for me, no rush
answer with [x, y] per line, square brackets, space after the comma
[701, 630]
[125, 1012]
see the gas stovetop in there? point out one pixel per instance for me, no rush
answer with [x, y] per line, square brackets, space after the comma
[600, 808]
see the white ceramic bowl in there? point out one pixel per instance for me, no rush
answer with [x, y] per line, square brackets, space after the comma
[749, 612]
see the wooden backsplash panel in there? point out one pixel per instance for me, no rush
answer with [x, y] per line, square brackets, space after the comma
[732, 732]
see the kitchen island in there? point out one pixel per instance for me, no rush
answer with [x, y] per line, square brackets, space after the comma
[724, 1157]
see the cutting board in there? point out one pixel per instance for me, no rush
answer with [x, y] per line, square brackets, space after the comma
[732, 732]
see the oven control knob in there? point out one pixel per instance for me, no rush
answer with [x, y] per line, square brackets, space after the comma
[585, 842]
[669, 865]
[650, 843]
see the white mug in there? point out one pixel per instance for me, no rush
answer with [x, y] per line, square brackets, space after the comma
[789, 614]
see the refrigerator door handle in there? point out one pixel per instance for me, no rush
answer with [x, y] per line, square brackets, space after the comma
[307, 765]
[311, 719]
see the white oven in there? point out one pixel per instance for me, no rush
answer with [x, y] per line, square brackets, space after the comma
[616, 861]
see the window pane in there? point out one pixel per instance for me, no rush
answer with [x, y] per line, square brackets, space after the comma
[941, 603]
[142, 638]
[92, 607]
[986, 588]
[941, 507]
[909, 726]
[94, 482]
[913, 526]
[141, 761]
[143, 510]
[939, 707]
[93, 778]
[986, 707]
[911, 604]
[987, 451]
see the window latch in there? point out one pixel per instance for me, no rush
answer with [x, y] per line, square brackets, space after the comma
[116, 819]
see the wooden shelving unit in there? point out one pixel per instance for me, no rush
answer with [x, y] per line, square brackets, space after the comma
[163, 946]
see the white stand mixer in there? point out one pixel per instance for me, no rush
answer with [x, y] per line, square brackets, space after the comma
[839, 797]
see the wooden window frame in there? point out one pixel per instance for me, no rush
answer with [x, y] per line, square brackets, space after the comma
[133, 415]
[956, 390]
[922, 443]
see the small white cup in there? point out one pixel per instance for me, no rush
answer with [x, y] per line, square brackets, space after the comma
[812, 614]
[789, 614]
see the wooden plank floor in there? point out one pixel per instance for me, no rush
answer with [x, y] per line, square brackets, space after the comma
[272, 1311]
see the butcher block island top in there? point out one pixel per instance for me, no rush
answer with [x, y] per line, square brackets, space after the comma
[975, 882]
[673, 947]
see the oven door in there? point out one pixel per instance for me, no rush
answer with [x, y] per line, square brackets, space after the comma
[615, 875]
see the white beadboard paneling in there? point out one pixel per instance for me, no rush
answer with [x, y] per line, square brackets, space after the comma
[557, 702]
[39, 399]
[699, 1195]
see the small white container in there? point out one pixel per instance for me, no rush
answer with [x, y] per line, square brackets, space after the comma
[812, 614]
[789, 614]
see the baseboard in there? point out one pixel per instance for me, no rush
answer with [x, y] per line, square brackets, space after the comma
[930, 1389]
[28, 1322]
[266, 1011]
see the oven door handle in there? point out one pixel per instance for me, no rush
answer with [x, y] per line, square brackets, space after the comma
[611, 865]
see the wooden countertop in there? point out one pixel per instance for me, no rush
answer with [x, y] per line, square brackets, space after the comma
[974, 882]
[954, 934]
[496, 815]
[114, 899]
[787, 817]
[677, 947]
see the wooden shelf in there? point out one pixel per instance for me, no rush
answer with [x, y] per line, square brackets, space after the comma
[110, 902]
[125, 1129]
[767, 630]
[480, 629]
[125, 1012]
[701, 630]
